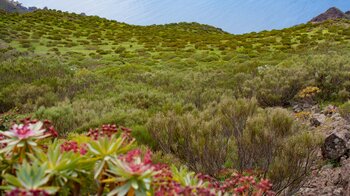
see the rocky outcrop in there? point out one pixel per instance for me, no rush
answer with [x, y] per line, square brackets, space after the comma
[328, 181]
[331, 14]
[14, 6]
[333, 178]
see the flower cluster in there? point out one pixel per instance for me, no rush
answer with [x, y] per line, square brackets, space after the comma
[165, 184]
[46, 126]
[240, 184]
[108, 131]
[19, 192]
[135, 162]
[24, 131]
[25, 137]
[50, 129]
[309, 92]
[235, 185]
[74, 147]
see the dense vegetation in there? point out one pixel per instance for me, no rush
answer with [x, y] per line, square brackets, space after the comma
[190, 92]
[32, 165]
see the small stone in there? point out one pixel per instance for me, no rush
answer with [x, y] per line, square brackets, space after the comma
[315, 109]
[315, 122]
[307, 105]
[338, 191]
[297, 109]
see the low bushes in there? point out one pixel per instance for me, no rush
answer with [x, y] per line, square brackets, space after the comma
[238, 134]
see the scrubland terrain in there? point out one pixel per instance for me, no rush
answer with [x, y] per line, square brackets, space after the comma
[220, 112]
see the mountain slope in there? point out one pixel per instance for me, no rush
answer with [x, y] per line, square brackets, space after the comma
[54, 32]
[330, 14]
[348, 13]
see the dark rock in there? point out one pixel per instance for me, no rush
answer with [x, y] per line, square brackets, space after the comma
[347, 13]
[330, 14]
[336, 145]
[315, 122]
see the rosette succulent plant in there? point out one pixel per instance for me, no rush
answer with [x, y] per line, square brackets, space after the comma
[102, 151]
[22, 138]
[186, 178]
[63, 167]
[30, 179]
[132, 174]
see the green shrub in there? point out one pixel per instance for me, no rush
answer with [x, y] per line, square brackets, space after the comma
[120, 50]
[240, 135]
[62, 117]
[275, 86]
[26, 97]
[345, 110]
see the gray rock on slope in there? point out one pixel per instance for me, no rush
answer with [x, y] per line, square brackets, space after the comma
[336, 145]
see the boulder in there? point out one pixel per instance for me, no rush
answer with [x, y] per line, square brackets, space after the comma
[336, 145]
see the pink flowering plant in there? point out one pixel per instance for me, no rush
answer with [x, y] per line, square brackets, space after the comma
[131, 174]
[23, 138]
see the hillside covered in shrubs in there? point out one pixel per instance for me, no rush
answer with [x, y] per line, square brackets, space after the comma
[207, 112]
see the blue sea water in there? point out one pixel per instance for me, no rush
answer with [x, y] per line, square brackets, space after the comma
[234, 16]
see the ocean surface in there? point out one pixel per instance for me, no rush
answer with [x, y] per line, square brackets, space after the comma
[234, 16]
